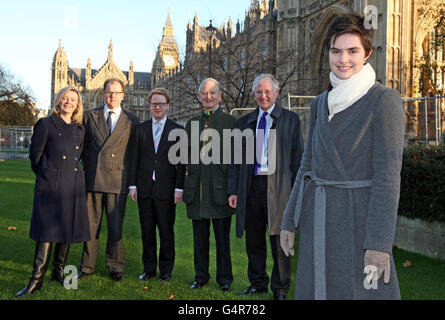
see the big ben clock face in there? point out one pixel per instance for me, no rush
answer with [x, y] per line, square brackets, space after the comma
[169, 61]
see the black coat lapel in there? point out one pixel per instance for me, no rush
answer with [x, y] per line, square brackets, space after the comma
[149, 136]
[164, 137]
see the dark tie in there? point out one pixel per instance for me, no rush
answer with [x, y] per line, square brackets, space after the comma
[260, 134]
[109, 124]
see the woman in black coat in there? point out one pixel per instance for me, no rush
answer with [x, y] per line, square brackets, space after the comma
[59, 213]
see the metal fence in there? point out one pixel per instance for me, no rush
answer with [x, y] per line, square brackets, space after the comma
[14, 142]
[425, 117]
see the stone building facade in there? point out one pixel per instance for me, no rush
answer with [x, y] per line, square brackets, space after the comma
[292, 32]
[90, 82]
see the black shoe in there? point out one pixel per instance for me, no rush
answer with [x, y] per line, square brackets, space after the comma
[83, 275]
[253, 290]
[280, 294]
[147, 275]
[117, 276]
[224, 287]
[165, 277]
[197, 285]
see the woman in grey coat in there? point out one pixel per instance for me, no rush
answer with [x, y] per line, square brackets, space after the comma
[345, 197]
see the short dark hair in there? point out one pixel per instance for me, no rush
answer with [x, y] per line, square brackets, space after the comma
[350, 23]
[114, 80]
[161, 92]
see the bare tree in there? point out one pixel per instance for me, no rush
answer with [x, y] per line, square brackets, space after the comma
[16, 102]
[234, 63]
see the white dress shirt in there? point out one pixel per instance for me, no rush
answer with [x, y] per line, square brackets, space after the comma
[269, 123]
[114, 116]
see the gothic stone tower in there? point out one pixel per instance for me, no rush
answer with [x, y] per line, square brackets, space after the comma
[166, 63]
[59, 74]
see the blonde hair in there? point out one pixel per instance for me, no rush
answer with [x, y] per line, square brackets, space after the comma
[77, 115]
[159, 91]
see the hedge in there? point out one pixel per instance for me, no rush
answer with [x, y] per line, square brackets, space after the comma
[422, 193]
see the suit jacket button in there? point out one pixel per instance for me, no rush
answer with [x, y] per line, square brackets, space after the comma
[75, 169]
[77, 147]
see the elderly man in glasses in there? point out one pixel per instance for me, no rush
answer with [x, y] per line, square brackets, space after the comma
[205, 190]
[260, 190]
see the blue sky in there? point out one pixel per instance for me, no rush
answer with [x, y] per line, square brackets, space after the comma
[30, 33]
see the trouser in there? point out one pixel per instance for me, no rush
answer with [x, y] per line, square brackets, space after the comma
[201, 236]
[256, 246]
[114, 206]
[161, 213]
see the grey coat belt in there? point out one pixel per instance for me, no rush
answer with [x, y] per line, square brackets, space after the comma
[320, 223]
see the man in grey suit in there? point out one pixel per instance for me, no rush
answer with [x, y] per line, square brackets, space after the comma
[108, 135]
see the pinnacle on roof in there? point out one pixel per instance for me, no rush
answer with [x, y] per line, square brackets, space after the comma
[168, 23]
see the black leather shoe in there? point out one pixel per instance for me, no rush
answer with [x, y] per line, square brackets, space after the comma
[165, 277]
[224, 287]
[253, 290]
[83, 275]
[279, 294]
[147, 275]
[196, 285]
[117, 276]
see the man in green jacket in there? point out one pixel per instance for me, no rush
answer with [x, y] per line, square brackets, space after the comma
[205, 189]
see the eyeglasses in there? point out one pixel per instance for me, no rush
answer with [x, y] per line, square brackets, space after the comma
[110, 93]
[154, 105]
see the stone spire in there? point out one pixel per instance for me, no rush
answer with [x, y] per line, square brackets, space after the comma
[110, 51]
[131, 74]
[168, 27]
[88, 71]
[59, 76]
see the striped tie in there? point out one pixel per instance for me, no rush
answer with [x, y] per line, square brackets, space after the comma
[110, 122]
[156, 139]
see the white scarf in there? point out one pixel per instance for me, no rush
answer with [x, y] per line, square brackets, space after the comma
[346, 92]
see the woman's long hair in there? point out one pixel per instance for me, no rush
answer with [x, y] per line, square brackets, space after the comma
[77, 115]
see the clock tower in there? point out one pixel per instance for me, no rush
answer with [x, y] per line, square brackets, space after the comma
[166, 62]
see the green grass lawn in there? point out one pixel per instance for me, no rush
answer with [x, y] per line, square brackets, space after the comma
[424, 280]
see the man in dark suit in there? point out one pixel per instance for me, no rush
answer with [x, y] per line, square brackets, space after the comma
[259, 191]
[156, 184]
[108, 132]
